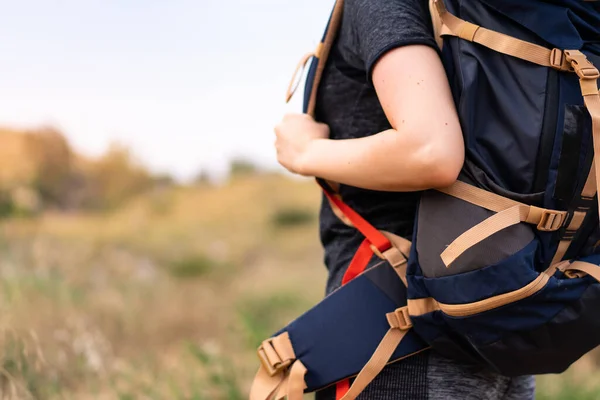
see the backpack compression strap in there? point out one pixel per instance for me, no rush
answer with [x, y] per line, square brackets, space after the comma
[510, 214]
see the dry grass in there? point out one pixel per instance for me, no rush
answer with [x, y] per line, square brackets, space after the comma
[167, 297]
[164, 298]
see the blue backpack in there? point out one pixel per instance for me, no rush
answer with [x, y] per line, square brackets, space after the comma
[503, 270]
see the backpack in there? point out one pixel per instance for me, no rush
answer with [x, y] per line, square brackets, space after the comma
[503, 270]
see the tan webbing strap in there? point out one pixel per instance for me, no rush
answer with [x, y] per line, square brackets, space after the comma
[561, 250]
[589, 190]
[588, 268]
[479, 197]
[576, 221]
[482, 231]
[592, 102]
[296, 384]
[398, 254]
[509, 212]
[264, 386]
[589, 87]
[436, 22]
[500, 221]
[419, 307]
[276, 355]
[500, 42]
[403, 245]
[334, 24]
[298, 72]
[400, 324]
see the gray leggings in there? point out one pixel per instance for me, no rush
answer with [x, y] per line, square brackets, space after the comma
[429, 376]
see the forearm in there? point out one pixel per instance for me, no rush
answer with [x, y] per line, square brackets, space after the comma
[388, 161]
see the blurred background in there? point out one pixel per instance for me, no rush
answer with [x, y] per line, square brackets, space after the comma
[148, 240]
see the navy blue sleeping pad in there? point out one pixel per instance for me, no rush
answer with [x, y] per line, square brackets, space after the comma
[335, 339]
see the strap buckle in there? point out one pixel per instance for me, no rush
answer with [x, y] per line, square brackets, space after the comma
[581, 65]
[558, 60]
[551, 220]
[573, 274]
[400, 319]
[270, 359]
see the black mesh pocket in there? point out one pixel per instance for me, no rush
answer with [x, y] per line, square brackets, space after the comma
[443, 218]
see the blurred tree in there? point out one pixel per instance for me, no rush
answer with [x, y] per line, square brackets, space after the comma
[242, 167]
[202, 178]
[52, 156]
[112, 179]
[38, 169]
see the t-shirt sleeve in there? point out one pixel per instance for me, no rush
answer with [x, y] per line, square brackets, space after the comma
[379, 26]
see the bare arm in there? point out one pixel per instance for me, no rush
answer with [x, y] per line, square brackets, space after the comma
[423, 150]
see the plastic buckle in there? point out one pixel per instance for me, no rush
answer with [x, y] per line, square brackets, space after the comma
[572, 274]
[403, 317]
[581, 65]
[558, 61]
[588, 72]
[551, 220]
[273, 367]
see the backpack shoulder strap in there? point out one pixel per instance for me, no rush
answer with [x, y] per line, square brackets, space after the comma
[436, 22]
[318, 56]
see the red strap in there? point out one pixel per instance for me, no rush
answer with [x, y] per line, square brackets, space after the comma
[341, 388]
[358, 264]
[361, 258]
[360, 261]
[376, 238]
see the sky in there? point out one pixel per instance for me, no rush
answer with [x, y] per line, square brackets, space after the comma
[186, 84]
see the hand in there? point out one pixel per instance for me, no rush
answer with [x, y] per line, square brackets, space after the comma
[294, 134]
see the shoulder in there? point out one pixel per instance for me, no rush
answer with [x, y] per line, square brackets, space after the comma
[370, 28]
[362, 11]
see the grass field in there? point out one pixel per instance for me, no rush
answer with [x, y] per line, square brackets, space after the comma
[168, 296]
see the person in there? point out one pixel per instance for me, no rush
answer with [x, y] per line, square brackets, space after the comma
[387, 128]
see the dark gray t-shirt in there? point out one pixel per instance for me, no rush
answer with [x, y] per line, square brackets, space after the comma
[347, 102]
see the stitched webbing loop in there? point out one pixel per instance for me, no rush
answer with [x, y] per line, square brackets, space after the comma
[276, 354]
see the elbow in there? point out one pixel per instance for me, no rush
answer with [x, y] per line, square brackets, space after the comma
[442, 166]
[440, 177]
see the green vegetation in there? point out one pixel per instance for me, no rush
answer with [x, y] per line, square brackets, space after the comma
[192, 266]
[291, 217]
